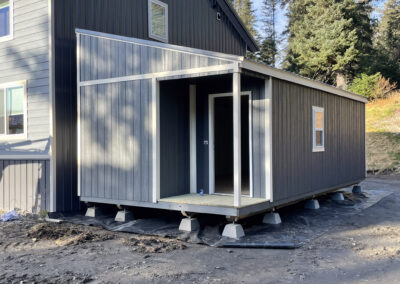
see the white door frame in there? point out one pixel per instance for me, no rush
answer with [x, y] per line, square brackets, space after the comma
[211, 154]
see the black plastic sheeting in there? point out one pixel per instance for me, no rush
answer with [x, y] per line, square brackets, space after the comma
[299, 226]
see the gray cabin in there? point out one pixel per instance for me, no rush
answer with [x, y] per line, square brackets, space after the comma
[152, 103]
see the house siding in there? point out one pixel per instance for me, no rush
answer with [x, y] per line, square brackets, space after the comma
[25, 185]
[26, 57]
[297, 171]
[189, 27]
[116, 144]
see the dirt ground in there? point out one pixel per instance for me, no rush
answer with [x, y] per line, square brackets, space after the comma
[365, 248]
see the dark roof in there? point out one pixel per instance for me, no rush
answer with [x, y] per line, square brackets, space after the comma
[238, 24]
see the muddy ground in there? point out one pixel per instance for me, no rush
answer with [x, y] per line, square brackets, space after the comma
[364, 248]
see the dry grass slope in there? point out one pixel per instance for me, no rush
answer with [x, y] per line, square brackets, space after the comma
[383, 135]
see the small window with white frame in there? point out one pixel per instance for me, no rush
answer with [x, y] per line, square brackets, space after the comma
[13, 110]
[158, 20]
[6, 20]
[318, 129]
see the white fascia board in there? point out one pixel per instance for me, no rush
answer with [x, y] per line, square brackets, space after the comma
[287, 76]
[172, 47]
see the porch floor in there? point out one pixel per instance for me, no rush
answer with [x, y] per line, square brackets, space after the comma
[212, 200]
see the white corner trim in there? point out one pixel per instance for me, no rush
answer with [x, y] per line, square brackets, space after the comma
[193, 145]
[268, 141]
[52, 108]
[155, 119]
[150, 20]
[293, 78]
[78, 97]
[237, 153]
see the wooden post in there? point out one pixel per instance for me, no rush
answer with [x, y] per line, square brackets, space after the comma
[237, 155]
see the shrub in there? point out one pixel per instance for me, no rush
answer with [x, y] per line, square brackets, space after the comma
[372, 86]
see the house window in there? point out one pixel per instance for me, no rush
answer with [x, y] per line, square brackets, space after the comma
[6, 19]
[12, 110]
[318, 129]
[158, 20]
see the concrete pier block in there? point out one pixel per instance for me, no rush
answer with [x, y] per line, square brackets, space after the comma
[92, 211]
[124, 216]
[233, 231]
[357, 189]
[337, 196]
[272, 218]
[312, 204]
[189, 225]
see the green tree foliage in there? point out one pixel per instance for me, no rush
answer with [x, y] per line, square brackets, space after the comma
[372, 86]
[268, 41]
[387, 41]
[245, 10]
[328, 38]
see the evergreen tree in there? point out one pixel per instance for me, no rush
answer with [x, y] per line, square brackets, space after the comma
[268, 47]
[322, 40]
[245, 10]
[388, 41]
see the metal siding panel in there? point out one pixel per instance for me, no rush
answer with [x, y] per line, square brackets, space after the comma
[294, 161]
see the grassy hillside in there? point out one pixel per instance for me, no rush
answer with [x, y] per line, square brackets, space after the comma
[383, 135]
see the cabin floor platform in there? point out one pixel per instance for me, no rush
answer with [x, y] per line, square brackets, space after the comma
[212, 200]
[214, 204]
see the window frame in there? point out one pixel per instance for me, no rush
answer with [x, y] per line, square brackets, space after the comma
[318, 148]
[150, 20]
[24, 135]
[11, 35]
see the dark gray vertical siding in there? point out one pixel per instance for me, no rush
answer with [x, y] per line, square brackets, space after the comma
[25, 185]
[174, 137]
[297, 171]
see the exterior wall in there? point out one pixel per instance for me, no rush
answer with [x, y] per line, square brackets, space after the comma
[192, 23]
[25, 185]
[116, 118]
[26, 57]
[174, 137]
[297, 171]
[25, 182]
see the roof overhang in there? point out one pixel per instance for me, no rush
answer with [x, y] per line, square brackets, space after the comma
[287, 76]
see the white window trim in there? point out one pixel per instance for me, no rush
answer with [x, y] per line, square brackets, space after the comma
[165, 6]
[314, 129]
[11, 35]
[22, 136]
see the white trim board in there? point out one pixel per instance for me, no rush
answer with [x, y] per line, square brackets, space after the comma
[296, 79]
[211, 171]
[269, 193]
[192, 138]
[158, 75]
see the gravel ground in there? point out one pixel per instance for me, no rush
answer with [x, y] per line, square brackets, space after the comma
[364, 248]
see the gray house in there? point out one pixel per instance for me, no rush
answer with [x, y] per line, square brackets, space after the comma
[151, 103]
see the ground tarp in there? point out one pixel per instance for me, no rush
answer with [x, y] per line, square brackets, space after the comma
[299, 225]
